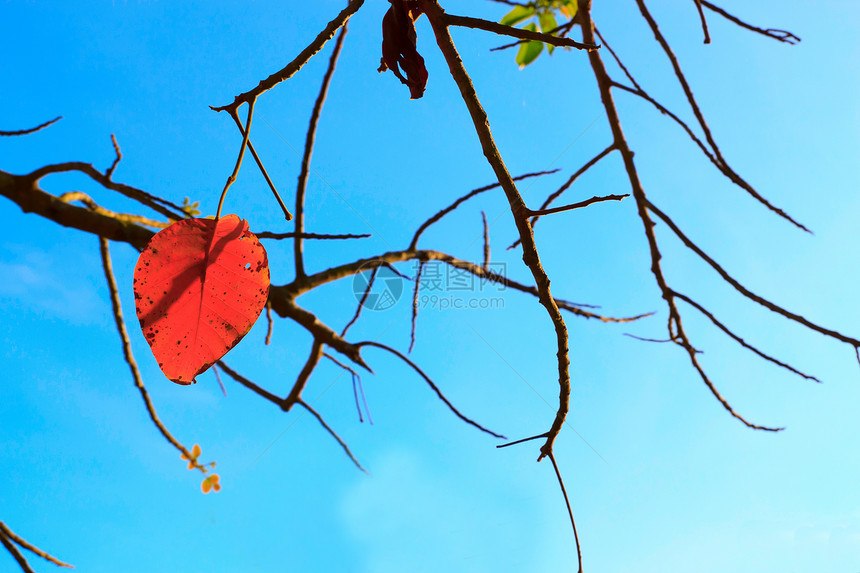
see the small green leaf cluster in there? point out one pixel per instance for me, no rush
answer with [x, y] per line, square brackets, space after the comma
[542, 16]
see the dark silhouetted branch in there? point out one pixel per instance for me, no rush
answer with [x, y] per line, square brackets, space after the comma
[340, 441]
[32, 129]
[431, 384]
[779, 35]
[309, 149]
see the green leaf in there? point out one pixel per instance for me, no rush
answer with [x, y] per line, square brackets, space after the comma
[517, 15]
[529, 51]
[547, 22]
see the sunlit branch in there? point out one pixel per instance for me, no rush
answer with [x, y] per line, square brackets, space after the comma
[496, 28]
[290, 69]
[309, 149]
[9, 538]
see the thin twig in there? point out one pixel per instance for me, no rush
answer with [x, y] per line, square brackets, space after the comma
[579, 205]
[262, 392]
[562, 30]
[4, 530]
[32, 129]
[361, 302]
[742, 289]
[431, 384]
[246, 133]
[117, 159]
[154, 202]
[438, 22]
[218, 379]
[486, 265]
[496, 28]
[779, 35]
[435, 218]
[675, 327]
[658, 35]
[10, 547]
[569, 510]
[333, 434]
[269, 323]
[309, 149]
[325, 236]
[295, 394]
[415, 293]
[287, 215]
[740, 340]
[539, 436]
[555, 195]
[704, 21]
[290, 69]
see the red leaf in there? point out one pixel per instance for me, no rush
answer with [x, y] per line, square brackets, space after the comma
[199, 286]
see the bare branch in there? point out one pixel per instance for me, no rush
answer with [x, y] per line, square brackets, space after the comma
[538, 437]
[604, 83]
[154, 202]
[579, 205]
[246, 133]
[117, 159]
[7, 533]
[278, 236]
[779, 35]
[10, 547]
[742, 289]
[262, 392]
[361, 302]
[435, 218]
[701, 118]
[569, 510]
[294, 66]
[129, 357]
[431, 384]
[309, 149]
[567, 184]
[496, 28]
[740, 340]
[270, 323]
[295, 394]
[287, 215]
[415, 293]
[72, 196]
[704, 21]
[486, 265]
[333, 434]
[32, 129]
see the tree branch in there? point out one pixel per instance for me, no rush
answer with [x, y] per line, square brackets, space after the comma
[290, 69]
[309, 149]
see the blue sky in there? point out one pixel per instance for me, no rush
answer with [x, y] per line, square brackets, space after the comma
[660, 476]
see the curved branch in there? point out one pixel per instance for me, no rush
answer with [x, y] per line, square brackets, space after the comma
[309, 149]
[32, 129]
[432, 385]
[290, 69]
[435, 218]
[496, 28]
[779, 35]
[658, 35]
